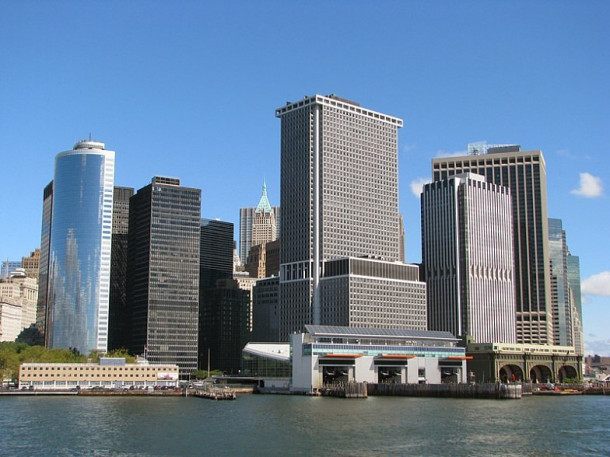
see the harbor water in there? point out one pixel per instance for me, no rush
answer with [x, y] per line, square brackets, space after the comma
[278, 425]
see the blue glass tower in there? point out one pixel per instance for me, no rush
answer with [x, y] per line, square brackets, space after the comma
[79, 254]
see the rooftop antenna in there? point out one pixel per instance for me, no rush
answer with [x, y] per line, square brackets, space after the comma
[89, 136]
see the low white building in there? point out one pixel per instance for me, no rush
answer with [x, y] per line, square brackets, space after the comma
[326, 355]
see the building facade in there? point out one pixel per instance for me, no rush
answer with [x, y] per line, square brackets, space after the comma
[119, 317]
[560, 288]
[163, 279]
[215, 252]
[42, 307]
[467, 257]
[264, 260]
[31, 264]
[524, 173]
[265, 310]
[110, 373]
[79, 253]
[18, 296]
[359, 292]
[326, 355]
[573, 264]
[224, 326]
[339, 196]
[8, 266]
[258, 225]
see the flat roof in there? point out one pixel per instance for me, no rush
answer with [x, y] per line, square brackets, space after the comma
[388, 333]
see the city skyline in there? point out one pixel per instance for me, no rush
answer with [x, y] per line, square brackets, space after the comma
[542, 86]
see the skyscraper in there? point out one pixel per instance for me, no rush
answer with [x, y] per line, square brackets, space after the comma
[467, 258]
[163, 272]
[224, 308]
[258, 225]
[339, 196]
[573, 264]
[560, 288]
[79, 252]
[119, 325]
[524, 173]
[42, 305]
[216, 252]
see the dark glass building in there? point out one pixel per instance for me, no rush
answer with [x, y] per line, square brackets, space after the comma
[163, 279]
[118, 324]
[43, 269]
[216, 252]
[224, 326]
[220, 302]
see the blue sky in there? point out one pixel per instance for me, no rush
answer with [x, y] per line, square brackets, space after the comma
[188, 89]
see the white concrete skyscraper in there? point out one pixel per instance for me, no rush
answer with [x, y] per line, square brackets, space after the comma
[524, 172]
[467, 256]
[339, 199]
[79, 253]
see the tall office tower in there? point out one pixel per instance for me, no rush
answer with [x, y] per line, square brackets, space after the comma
[215, 264]
[118, 323]
[525, 174]
[560, 288]
[224, 326]
[339, 196]
[31, 264]
[265, 317]
[573, 264]
[42, 308]
[467, 257]
[258, 225]
[79, 252]
[215, 252]
[163, 272]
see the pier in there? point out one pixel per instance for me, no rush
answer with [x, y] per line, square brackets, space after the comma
[491, 390]
[215, 393]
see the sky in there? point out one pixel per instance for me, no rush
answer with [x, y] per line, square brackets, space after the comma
[189, 89]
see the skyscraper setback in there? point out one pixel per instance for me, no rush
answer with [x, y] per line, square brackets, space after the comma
[524, 173]
[79, 242]
[339, 199]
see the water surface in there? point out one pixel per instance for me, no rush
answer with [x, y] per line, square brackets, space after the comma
[257, 425]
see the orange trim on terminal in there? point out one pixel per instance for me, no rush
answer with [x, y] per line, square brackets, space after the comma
[458, 357]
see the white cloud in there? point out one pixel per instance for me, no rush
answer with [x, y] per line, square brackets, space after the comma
[599, 347]
[590, 186]
[417, 185]
[598, 284]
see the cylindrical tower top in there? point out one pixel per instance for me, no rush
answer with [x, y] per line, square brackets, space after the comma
[88, 144]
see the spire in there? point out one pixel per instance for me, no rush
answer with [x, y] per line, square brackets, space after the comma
[263, 204]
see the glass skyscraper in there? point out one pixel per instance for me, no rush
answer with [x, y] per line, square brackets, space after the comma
[79, 253]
